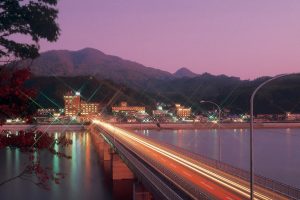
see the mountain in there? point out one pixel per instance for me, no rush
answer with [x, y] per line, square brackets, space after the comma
[92, 62]
[148, 85]
[184, 72]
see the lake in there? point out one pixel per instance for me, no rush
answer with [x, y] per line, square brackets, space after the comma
[84, 178]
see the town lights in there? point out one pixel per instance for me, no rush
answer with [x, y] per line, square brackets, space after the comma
[219, 108]
[95, 121]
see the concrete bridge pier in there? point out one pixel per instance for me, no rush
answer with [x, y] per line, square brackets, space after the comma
[122, 178]
[140, 192]
[107, 160]
[124, 184]
[120, 171]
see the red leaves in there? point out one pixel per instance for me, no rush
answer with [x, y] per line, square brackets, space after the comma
[20, 76]
[14, 96]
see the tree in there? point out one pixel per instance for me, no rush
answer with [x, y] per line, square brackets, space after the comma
[27, 20]
[33, 19]
[14, 97]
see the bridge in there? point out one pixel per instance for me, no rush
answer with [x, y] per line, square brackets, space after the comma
[170, 172]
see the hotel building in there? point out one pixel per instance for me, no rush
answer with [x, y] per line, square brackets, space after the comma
[123, 107]
[182, 111]
[74, 106]
[89, 108]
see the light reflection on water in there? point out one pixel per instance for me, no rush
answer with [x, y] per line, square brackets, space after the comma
[277, 151]
[84, 176]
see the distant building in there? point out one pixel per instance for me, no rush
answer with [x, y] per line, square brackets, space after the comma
[123, 107]
[74, 106]
[160, 112]
[264, 116]
[201, 118]
[45, 111]
[89, 108]
[292, 116]
[182, 111]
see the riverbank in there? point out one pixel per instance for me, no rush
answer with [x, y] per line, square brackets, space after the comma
[44, 127]
[150, 126]
[138, 126]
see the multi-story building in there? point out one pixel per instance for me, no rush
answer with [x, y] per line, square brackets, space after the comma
[182, 111]
[89, 108]
[123, 107]
[74, 106]
[45, 111]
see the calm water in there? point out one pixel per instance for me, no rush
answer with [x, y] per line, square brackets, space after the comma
[84, 176]
[277, 151]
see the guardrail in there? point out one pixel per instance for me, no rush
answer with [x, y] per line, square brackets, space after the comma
[188, 188]
[275, 186]
[146, 176]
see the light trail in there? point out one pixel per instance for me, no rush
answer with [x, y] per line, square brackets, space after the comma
[209, 174]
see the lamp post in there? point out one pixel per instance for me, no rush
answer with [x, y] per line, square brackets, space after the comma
[219, 108]
[219, 119]
[252, 128]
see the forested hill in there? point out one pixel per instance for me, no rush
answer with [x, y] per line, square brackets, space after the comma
[230, 92]
[50, 91]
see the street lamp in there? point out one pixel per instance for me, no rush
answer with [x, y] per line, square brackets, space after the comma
[252, 127]
[219, 108]
[219, 119]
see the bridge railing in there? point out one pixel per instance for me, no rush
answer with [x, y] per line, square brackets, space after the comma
[179, 181]
[273, 185]
[143, 174]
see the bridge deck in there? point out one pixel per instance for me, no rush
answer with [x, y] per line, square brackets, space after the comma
[189, 174]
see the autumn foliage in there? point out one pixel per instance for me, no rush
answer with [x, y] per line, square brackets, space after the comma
[14, 96]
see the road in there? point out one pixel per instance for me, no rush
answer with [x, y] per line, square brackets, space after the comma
[214, 183]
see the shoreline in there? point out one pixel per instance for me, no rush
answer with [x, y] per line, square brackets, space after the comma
[151, 126]
[43, 127]
[173, 126]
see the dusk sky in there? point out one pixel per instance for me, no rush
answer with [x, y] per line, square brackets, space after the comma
[245, 38]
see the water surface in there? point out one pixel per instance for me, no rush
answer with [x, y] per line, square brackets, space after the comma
[84, 175]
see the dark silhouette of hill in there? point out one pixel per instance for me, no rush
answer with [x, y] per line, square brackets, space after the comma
[229, 92]
[184, 72]
[93, 62]
[50, 91]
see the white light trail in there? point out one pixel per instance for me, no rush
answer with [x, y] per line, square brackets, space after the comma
[211, 175]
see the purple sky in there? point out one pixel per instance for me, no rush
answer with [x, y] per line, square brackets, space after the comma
[246, 38]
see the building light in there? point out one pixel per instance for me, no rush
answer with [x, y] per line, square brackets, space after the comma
[77, 93]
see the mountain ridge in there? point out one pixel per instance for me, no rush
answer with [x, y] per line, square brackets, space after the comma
[184, 72]
[89, 61]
